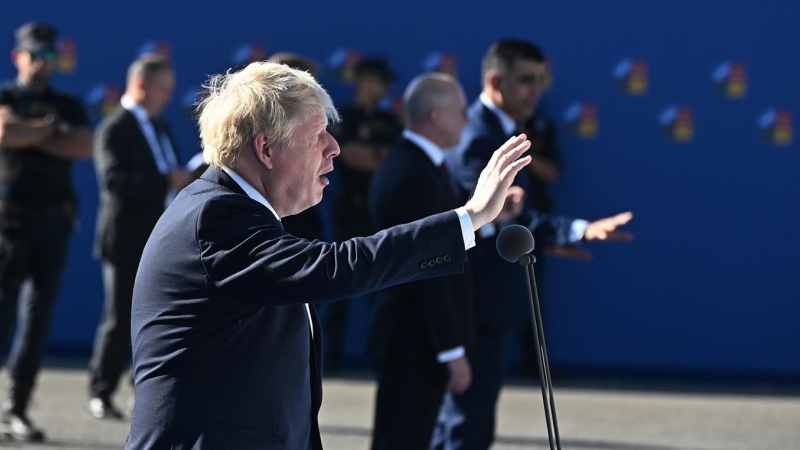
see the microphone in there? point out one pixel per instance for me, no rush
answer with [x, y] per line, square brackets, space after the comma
[514, 244]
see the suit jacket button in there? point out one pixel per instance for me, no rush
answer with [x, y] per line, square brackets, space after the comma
[447, 258]
[431, 263]
[424, 265]
[439, 260]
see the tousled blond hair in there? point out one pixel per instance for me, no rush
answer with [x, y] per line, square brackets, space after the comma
[263, 98]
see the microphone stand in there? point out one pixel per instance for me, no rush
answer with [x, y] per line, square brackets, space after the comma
[541, 352]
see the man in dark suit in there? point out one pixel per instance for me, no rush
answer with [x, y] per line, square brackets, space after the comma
[421, 333]
[137, 170]
[512, 72]
[226, 344]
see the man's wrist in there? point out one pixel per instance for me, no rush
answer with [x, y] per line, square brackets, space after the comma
[475, 217]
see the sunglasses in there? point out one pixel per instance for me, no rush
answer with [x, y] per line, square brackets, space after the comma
[46, 55]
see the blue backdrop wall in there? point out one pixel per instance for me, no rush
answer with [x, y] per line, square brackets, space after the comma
[679, 111]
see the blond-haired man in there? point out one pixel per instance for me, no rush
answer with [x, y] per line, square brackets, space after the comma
[226, 343]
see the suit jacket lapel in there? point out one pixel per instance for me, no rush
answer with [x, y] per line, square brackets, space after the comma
[447, 185]
[491, 120]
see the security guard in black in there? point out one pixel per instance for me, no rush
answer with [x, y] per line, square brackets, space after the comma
[41, 133]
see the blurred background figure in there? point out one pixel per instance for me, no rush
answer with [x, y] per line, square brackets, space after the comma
[421, 333]
[41, 132]
[365, 134]
[544, 169]
[138, 173]
[512, 75]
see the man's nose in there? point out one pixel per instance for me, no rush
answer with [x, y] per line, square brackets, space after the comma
[332, 150]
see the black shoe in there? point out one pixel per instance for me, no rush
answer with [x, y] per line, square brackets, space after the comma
[101, 408]
[19, 426]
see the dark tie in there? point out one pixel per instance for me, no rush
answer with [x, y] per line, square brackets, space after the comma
[445, 172]
[446, 176]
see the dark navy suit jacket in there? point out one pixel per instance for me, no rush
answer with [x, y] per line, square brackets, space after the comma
[222, 349]
[502, 294]
[415, 321]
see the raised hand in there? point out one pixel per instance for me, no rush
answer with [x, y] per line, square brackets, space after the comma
[490, 193]
[606, 229]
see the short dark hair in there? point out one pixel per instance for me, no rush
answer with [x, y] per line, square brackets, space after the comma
[503, 54]
[148, 66]
[377, 67]
[34, 36]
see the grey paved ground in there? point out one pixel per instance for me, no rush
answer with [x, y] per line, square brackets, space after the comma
[591, 418]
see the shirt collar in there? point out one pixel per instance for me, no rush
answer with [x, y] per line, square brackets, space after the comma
[508, 124]
[136, 109]
[433, 151]
[250, 190]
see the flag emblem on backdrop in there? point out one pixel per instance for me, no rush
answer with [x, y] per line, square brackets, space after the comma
[102, 100]
[441, 62]
[631, 76]
[343, 62]
[583, 120]
[730, 80]
[775, 126]
[67, 58]
[160, 48]
[677, 123]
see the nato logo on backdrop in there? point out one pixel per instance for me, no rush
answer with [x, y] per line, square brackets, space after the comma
[102, 100]
[160, 48]
[583, 120]
[775, 126]
[441, 62]
[630, 76]
[67, 56]
[343, 62]
[730, 80]
[677, 123]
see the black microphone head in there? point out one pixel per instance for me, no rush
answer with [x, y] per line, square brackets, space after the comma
[513, 242]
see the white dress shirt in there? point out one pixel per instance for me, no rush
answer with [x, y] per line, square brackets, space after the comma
[160, 146]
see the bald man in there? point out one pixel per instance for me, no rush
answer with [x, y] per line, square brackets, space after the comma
[421, 333]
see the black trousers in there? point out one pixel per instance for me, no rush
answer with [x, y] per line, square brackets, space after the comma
[112, 344]
[34, 249]
[479, 403]
[407, 404]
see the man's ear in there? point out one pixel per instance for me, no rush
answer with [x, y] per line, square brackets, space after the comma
[494, 80]
[262, 150]
[434, 114]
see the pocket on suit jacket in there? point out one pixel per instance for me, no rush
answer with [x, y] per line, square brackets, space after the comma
[225, 436]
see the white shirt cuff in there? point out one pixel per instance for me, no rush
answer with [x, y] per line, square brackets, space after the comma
[450, 355]
[577, 229]
[467, 232]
